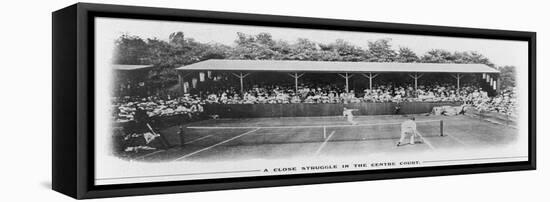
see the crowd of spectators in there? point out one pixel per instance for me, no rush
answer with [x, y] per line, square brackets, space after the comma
[192, 105]
[504, 103]
[128, 108]
[332, 94]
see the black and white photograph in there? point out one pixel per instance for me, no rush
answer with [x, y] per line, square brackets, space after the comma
[275, 101]
[193, 100]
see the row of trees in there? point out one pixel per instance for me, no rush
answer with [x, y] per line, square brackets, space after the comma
[180, 50]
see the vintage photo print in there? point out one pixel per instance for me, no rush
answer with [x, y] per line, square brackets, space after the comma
[178, 101]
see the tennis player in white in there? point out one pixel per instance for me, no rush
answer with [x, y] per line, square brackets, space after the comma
[408, 127]
[349, 114]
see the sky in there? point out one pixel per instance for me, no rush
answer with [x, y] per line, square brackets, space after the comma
[500, 52]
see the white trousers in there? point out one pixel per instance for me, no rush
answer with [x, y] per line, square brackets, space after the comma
[350, 119]
[404, 135]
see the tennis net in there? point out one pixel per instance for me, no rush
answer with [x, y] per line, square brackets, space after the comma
[252, 135]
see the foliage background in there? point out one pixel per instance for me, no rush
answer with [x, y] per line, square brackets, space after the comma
[182, 50]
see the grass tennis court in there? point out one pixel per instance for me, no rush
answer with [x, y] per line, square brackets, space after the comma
[274, 138]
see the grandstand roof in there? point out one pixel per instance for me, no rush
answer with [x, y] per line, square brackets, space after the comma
[129, 67]
[329, 66]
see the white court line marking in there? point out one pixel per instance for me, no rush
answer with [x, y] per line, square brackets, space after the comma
[149, 154]
[324, 143]
[425, 140]
[197, 139]
[456, 139]
[311, 126]
[217, 144]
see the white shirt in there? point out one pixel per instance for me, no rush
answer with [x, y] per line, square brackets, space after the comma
[408, 126]
[348, 112]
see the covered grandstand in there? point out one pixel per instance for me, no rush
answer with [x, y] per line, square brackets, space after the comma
[131, 79]
[241, 69]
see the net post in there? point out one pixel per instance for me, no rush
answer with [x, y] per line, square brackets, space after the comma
[181, 136]
[441, 127]
[324, 132]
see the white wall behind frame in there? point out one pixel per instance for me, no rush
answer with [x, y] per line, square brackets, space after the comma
[25, 83]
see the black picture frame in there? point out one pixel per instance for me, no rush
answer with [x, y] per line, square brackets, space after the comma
[73, 79]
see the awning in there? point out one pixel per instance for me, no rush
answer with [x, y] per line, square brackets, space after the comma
[336, 67]
[129, 67]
